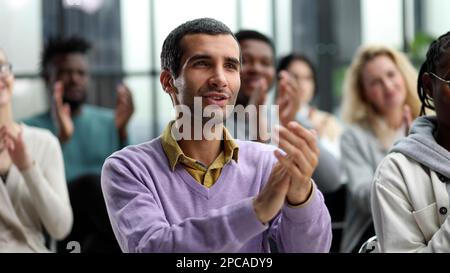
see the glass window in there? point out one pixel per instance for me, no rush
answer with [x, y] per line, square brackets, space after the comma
[136, 35]
[21, 39]
[283, 27]
[21, 33]
[257, 15]
[29, 98]
[436, 17]
[142, 123]
[382, 22]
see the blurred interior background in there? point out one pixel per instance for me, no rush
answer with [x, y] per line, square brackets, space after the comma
[128, 34]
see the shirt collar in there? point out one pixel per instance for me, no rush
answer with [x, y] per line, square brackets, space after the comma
[175, 154]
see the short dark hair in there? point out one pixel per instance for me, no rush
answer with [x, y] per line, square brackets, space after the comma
[435, 55]
[286, 61]
[172, 51]
[246, 34]
[60, 45]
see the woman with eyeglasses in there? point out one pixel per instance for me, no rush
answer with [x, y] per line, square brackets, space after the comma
[303, 72]
[379, 103]
[411, 189]
[33, 193]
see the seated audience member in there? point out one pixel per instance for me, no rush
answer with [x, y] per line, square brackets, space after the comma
[257, 77]
[301, 69]
[379, 102]
[88, 134]
[210, 193]
[410, 194]
[34, 201]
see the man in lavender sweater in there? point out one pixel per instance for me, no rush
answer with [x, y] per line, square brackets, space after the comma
[190, 192]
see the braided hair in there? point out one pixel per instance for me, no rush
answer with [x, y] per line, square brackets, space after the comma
[439, 47]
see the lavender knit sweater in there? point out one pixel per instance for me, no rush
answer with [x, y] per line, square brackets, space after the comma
[153, 209]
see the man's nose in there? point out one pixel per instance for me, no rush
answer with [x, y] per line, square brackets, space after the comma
[218, 79]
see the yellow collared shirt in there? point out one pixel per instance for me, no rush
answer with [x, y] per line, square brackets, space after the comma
[204, 175]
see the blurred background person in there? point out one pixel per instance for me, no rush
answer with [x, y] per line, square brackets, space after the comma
[302, 70]
[88, 135]
[33, 192]
[379, 103]
[258, 76]
[297, 85]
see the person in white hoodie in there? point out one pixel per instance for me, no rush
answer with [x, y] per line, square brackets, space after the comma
[33, 191]
[410, 193]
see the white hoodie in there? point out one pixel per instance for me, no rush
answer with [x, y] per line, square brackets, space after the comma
[410, 201]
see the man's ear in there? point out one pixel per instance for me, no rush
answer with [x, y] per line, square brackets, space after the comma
[426, 84]
[166, 80]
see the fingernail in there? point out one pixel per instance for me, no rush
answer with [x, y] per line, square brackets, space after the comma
[292, 124]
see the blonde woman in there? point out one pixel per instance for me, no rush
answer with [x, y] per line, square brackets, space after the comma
[379, 103]
[33, 190]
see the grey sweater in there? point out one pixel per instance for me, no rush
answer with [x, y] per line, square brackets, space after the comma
[361, 152]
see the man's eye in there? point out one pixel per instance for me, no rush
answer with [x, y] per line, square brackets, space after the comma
[201, 64]
[231, 66]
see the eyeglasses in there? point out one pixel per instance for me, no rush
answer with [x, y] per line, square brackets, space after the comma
[441, 79]
[5, 69]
